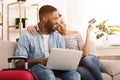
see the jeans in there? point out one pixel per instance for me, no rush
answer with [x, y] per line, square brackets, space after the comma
[90, 68]
[85, 74]
[48, 74]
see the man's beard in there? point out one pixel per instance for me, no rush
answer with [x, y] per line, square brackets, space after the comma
[49, 27]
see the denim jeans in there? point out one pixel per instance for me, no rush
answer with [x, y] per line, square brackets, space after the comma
[48, 74]
[90, 68]
[85, 73]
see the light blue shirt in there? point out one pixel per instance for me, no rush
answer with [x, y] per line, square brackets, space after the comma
[33, 46]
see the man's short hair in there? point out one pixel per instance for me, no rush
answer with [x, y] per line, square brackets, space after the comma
[46, 9]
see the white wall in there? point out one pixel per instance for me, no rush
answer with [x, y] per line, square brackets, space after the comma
[82, 12]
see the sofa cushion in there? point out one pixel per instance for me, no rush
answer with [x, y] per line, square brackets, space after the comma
[106, 76]
[116, 77]
[7, 49]
[112, 67]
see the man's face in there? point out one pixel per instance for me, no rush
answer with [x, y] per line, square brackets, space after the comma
[53, 18]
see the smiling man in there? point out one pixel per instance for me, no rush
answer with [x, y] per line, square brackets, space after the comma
[35, 48]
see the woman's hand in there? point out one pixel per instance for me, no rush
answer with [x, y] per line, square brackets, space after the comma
[86, 48]
[32, 30]
[90, 27]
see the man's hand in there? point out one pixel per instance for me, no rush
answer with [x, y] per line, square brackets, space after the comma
[32, 30]
[43, 61]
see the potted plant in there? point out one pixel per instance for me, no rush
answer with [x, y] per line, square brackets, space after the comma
[104, 30]
[23, 21]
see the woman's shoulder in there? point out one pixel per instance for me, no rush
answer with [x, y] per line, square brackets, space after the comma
[72, 33]
[75, 32]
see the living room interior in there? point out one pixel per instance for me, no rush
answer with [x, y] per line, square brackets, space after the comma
[16, 16]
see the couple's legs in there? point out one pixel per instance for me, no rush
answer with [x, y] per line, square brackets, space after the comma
[47, 74]
[91, 65]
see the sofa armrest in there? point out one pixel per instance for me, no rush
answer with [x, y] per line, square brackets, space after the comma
[112, 67]
[7, 49]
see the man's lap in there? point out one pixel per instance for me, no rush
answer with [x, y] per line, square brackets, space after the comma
[64, 75]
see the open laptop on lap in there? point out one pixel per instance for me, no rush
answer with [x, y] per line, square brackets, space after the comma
[64, 59]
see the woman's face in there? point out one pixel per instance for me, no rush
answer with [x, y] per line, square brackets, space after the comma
[60, 25]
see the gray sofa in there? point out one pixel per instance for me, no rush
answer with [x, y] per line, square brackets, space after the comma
[110, 68]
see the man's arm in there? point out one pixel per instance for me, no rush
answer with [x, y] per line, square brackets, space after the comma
[21, 63]
[23, 49]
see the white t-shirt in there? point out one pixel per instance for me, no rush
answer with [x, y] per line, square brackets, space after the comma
[46, 47]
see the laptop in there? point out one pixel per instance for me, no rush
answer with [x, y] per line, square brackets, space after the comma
[64, 59]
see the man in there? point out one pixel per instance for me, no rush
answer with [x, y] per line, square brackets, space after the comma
[35, 48]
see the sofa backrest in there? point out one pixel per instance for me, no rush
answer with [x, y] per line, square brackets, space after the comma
[7, 49]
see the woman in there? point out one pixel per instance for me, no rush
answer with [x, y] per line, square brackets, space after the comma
[89, 66]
